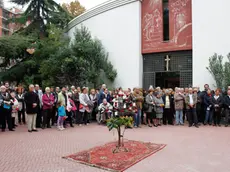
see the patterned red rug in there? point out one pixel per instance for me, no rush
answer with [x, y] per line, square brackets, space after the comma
[104, 158]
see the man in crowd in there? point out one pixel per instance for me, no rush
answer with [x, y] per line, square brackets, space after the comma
[101, 94]
[31, 101]
[105, 111]
[191, 101]
[39, 106]
[7, 85]
[179, 105]
[54, 109]
[227, 107]
[62, 97]
[168, 108]
[199, 109]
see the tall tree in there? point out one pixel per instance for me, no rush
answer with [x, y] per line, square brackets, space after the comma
[40, 12]
[74, 8]
[78, 64]
[216, 69]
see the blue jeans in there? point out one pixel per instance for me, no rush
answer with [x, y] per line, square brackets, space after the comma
[208, 117]
[179, 117]
[137, 118]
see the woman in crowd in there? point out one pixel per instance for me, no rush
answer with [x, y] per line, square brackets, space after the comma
[159, 108]
[143, 113]
[107, 95]
[208, 106]
[71, 109]
[48, 101]
[121, 97]
[86, 106]
[14, 110]
[93, 98]
[217, 100]
[149, 99]
[21, 106]
[6, 103]
[138, 99]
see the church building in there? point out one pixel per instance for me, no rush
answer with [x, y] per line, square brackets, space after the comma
[163, 43]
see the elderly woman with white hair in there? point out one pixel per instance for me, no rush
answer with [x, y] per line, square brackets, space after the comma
[71, 109]
[159, 108]
[48, 101]
[6, 103]
[149, 99]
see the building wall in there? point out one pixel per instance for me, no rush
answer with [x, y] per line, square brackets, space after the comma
[180, 21]
[210, 35]
[5, 28]
[118, 25]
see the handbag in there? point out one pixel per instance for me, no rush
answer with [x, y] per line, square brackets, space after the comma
[5, 106]
[145, 106]
[81, 106]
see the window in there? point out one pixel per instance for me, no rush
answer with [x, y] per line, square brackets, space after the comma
[165, 20]
[5, 14]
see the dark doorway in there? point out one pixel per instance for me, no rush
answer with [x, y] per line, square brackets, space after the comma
[168, 79]
[180, 64]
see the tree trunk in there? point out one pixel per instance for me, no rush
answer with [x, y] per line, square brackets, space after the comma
[119, 136]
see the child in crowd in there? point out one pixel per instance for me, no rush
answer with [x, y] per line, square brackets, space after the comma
[61, 116]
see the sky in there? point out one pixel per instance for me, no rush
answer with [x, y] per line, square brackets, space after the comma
[87, 3]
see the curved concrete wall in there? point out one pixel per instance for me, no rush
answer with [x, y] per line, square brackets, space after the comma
[118, 25]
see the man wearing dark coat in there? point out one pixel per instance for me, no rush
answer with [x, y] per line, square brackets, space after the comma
[168, 108]
[32, 102]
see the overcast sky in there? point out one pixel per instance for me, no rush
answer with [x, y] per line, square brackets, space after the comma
[87, 3]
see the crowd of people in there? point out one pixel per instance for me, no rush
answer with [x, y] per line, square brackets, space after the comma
[79, 106]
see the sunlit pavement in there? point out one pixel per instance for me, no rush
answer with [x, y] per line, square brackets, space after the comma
[206, 149]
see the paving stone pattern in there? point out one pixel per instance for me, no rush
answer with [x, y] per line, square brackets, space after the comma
[206, 149]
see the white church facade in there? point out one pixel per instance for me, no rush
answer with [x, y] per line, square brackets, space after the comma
[159, 42]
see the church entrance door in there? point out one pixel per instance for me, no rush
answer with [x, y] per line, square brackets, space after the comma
[168, 79]
[167, 69]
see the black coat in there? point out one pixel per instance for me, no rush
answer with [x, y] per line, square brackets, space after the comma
[21, 100]
[219, 101]
[208, 100]
[6, 97]
[31, 98]
[227, 102]
[171, 99]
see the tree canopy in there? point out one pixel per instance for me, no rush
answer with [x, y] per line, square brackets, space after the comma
[42, 12]
[43, 52]
[74, 8]
[78, 64]
[220, 70]
[14, 47]
[56, 61]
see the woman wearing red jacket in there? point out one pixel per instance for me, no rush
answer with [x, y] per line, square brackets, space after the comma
[48, 102]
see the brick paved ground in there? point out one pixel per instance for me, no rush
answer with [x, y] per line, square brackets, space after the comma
[188, 149]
